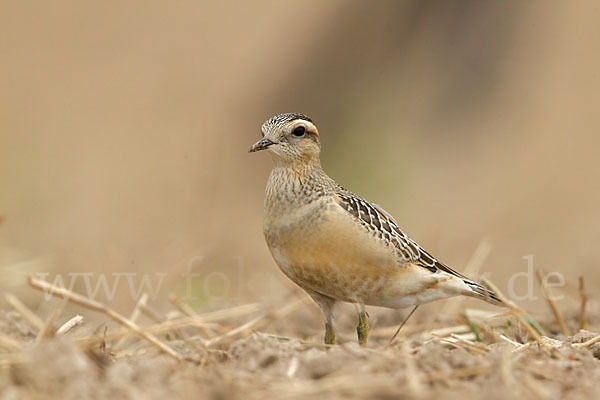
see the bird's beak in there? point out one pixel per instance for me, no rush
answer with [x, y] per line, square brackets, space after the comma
[260, 145]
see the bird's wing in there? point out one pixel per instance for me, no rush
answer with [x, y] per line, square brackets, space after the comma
[384, 226]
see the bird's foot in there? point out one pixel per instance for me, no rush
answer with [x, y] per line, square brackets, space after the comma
[363, 328]
[329, 334]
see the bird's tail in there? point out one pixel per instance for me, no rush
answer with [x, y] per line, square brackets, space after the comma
[481, 292]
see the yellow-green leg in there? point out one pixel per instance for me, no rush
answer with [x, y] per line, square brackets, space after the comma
[326, 304]
[363, 325]
[329, 333]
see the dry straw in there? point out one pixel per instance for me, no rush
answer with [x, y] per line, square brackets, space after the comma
[518, 314]
[549, 298]
[582, 311]
[86, 302]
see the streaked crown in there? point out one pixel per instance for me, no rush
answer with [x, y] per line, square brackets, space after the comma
[291, 137]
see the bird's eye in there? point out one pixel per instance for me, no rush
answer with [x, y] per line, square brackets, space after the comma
[299, 131]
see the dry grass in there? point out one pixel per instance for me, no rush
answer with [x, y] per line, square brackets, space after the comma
[226, 353]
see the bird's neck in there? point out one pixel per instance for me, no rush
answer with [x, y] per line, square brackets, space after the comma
[299, 169]
[293, 185]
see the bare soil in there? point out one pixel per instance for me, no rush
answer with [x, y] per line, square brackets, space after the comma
[253, 364]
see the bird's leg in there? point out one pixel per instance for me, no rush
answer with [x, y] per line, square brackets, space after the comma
[329, 333]
[363, 324]
[326, 304]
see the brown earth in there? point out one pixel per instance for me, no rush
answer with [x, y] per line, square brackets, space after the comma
[259, 365]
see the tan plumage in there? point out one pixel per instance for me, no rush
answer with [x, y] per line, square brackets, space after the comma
[337, 246]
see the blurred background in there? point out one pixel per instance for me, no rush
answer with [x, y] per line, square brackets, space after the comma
[124, 129]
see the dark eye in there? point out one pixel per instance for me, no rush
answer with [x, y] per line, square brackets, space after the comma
[299, 131]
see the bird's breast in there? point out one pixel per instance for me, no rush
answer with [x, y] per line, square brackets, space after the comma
[322, 248]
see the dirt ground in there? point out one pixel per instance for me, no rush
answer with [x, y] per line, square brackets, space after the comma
[475, 355]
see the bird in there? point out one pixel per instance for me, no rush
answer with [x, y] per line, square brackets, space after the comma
[337, 246]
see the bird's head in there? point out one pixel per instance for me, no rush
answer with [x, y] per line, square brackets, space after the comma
[291, 138]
